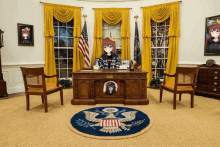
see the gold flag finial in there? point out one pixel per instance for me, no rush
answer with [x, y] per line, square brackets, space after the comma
[84, 17]
[136, 17]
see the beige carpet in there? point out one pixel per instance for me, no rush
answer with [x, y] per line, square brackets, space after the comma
[185, 126]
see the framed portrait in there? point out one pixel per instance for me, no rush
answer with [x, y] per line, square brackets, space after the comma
[212, 36]
[96, 61]
[25, 34]
[125, 62]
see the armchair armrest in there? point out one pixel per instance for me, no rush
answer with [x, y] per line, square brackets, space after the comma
[52, 77]
[165, 74]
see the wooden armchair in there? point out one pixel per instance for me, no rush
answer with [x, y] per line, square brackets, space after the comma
[34, 83]
[185, 81]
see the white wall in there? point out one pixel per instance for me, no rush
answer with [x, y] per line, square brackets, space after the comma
[192, 25]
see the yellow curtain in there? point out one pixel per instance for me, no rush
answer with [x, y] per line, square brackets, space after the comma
[161, 13]
[111, 16]
[63, 14]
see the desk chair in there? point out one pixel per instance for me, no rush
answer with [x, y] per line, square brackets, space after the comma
[34, 83]
[185, 81]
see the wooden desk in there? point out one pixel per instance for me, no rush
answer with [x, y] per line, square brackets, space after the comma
[88, 87]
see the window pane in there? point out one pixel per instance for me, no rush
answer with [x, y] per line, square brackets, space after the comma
[70, 23]
[153, 23]
[116, 33]
[160, 73]
[166, 30]
[153, 42]
[63, 63]
[63, 73]
[69, 32]
[105, 33]
[153, 53]
[153, 73]
[70, 73]
[63, 42]
[160, 63]
[166, 42]
[161, 24]
[105, 25]
[70, 63]
[62, 24]
[166, 52]
[153, 63]
[56, 53]
[63, 53]
[160, 53]
[70, 42]
[56, 31]
[165, 62]
[160, 31]
[57, 63]
[112, 27]
[70, 53]
[55, 41]
[55, 22]
[62, 32]
[153, 31]
[118, 42]
[167, 22]
[118, 25]
[160, 41]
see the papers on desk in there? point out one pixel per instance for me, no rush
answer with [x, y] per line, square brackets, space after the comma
[124, 67]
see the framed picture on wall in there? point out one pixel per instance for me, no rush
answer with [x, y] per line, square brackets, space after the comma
[212, 36]
[25, 34]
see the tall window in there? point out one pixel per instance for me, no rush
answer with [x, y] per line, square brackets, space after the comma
[159, 47]
[115, 31]
[63, 46]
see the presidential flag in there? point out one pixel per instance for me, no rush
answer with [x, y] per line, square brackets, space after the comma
[137, 52]
[84, 46]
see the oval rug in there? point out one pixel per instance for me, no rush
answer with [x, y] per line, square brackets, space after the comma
[110, 122]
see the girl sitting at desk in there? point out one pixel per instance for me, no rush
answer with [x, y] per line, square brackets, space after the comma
[108, 60]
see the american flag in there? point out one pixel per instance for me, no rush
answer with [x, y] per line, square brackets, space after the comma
[84, 46]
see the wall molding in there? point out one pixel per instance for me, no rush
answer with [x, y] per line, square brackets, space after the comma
[23, 65]
[13, 76]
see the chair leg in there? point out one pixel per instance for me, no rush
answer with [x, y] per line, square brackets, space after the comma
[42, 97]
[161, 93]
[192, 100]
[45, 103]
[27, 102]
[61, 96]
[174, 101]
[180, 96]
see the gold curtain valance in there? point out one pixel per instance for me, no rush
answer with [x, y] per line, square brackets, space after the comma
[160, 13]
[63, 14]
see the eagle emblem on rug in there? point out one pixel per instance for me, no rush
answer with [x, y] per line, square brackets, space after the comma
[111, 123]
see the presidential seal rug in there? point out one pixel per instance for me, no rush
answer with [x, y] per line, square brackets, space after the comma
[110, 122]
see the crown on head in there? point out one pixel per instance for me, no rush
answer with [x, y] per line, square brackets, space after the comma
[111, 37]
[27, 29]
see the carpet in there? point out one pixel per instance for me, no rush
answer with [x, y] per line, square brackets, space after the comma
[110, 122]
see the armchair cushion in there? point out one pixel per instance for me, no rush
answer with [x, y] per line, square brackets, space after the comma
[49, 87]
[171, 84]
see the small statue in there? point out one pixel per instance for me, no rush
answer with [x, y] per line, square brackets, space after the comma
[133, 62]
